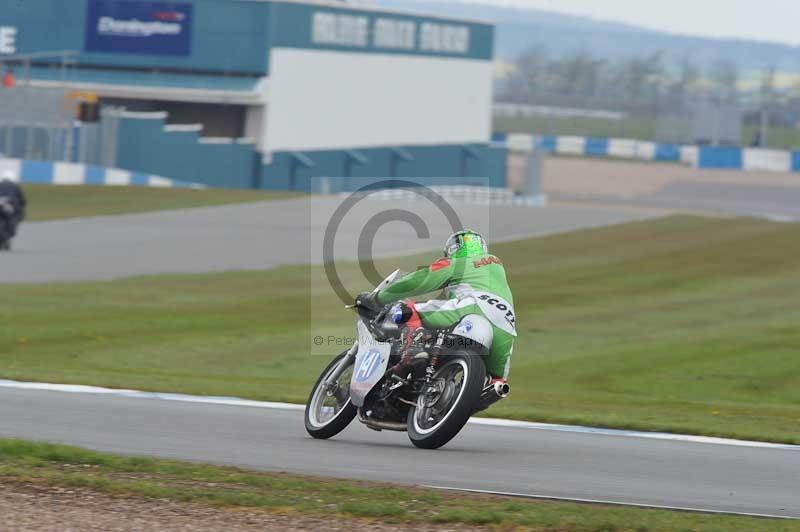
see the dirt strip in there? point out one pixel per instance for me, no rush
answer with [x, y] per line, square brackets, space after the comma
[37, 508]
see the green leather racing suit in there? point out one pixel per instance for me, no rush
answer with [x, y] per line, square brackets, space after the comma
[473, 285]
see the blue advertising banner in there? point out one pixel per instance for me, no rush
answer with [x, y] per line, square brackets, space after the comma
[138, 27]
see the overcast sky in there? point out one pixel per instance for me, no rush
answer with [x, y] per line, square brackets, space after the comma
[766, 20]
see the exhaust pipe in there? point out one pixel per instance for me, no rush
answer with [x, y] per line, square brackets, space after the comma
[491, 394]
[374, 424]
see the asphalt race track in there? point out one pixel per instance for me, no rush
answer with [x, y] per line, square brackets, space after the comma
[633, 470]
[263, 235]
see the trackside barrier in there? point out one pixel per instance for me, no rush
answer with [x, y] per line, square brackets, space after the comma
[54, 173]
[711, 157]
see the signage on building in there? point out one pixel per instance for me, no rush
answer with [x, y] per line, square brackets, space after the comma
[8, 40]
[137, 27]
[385, 33]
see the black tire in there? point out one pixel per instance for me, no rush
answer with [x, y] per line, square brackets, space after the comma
[342, 418]
[459, 413]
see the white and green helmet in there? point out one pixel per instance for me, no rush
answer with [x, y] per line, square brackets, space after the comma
[465, 244]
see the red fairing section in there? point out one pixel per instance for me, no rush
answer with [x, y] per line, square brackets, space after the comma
[440, 265]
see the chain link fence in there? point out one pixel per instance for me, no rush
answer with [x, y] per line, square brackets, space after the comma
[36, 122]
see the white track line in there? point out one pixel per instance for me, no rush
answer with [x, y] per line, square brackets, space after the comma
[615, 503]
[506, 423]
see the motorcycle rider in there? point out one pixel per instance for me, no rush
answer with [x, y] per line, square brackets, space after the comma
[474, 282]
[12, 209]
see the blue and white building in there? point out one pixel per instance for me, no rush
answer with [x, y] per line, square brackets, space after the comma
[268, 93]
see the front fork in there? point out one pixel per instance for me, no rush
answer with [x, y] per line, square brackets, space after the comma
[333, 379]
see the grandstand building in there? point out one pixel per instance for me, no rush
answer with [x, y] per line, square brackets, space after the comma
[268, 93]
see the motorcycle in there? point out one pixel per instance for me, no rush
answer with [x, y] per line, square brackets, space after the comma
[404, 377]
[9, 219]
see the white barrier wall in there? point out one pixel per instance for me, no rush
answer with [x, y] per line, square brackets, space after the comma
[624, 148]
[59, 173]
[689, 155]
[571, 145]
[646, 150]
[11, 167]
[520, 142]
[770, 160]
[332, 100]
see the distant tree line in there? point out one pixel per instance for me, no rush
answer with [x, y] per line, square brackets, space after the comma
[638, 81]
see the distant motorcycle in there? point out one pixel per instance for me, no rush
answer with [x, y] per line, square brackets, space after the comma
[442, 384]
[12, 210]
[9, 219]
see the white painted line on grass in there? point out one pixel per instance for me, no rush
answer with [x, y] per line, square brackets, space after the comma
[489, 422]
[614, 503]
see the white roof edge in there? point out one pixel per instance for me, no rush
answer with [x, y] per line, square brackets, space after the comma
[176, 94]
[142, 115]
[183, 127]
[216, 140]
[376, 9]
[382, 145]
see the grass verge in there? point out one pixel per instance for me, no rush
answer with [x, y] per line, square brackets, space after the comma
[50, 202]
[684, 324]
[24, 462]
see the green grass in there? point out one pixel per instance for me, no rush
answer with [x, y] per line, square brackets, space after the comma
[631, 128]
[29, 463]
[684, 324]
[48, 202]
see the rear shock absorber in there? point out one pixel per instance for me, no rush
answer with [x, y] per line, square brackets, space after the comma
[436, 351]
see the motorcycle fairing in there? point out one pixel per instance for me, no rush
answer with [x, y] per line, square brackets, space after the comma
[372, 360]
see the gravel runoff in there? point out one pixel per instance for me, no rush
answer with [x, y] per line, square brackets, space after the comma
[37, 508]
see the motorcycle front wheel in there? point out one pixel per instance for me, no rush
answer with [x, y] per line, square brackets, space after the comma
[445, 407]
[329, 411]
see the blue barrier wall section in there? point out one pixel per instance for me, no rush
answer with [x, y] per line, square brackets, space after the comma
[37, 172]
[596, 146]
[547, 143]
[796, 161]
[668, 152]
[719, 157]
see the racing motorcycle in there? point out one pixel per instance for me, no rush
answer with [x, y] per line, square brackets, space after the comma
[8, 222]
[401, 376]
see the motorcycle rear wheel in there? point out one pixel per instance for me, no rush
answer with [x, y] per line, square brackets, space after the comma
[341, 411]
[440, 415]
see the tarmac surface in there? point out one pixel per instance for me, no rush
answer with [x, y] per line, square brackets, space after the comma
[525, 461]
[265, 235]
[769, 195]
